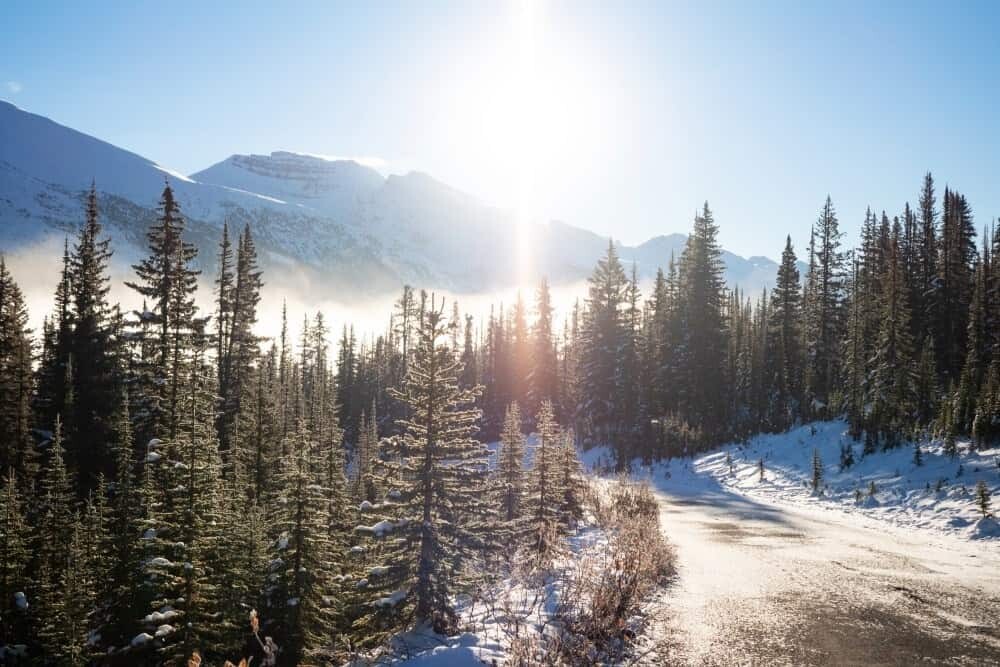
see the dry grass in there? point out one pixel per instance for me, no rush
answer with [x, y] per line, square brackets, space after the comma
[604, 598]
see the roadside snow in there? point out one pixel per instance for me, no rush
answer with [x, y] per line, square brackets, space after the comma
[938, 495]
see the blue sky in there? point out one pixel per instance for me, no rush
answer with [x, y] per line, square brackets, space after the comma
[645, 109]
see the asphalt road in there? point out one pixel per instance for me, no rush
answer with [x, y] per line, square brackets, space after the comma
[765, 585]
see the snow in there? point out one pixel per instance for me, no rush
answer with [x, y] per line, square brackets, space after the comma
[141, 639]
[159, 617]
[391, 600]
[153, 457]
[164, 630]
[937, 496]
[21, 600]
[339, 217]
[382, 528]
[160, 561]
[529, 604]
[379, 571]
[365, 506]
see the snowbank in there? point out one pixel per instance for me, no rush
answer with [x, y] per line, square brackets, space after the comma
[887, 486]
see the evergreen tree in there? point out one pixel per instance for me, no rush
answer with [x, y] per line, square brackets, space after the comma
[893, 385]
[14, 559]
[817, 471]
[544, 374]
[571, 481]
[954, 283]
[435, 473]
[306, 553]
[824, 310]
[16, 379]
[166, 280]
[544, 493]
[510, 465]
[983, 498]
[602, 337]
[705, 334]
[785, 356]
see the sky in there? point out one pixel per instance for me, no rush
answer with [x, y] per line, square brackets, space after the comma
[618, 117]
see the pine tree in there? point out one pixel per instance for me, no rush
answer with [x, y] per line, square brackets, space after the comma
[435, 473]
[824, 310]
[893, 385]
[704, 331]
[543, 375]
[124, 601]
[817, 471]
[186, 536]
[785, 340]
[165, 278]
[14, 559]
[926, 274]
[93, 353]
[16, 379]
[954, 283]
[510, 465]
[367, 452]
[306, 553]
[53, 372]
[544, 492]
[57, 552]
[602, 335]
[983, 498]
[571, 481]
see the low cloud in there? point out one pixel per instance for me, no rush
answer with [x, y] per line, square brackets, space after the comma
[36, 269]
[14, 87]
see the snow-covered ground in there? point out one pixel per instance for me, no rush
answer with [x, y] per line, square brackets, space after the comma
[938, 495]
[514, 607]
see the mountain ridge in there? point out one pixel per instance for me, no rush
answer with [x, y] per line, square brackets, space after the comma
[341, 222]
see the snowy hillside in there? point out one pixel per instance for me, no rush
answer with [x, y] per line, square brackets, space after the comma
[339, 221]
[938, 495]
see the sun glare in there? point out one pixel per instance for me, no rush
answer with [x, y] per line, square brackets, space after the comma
[522, 114]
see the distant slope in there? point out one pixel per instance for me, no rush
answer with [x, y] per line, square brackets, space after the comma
[346, 226]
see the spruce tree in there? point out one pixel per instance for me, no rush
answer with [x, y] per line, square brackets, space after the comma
[602, 344]
[435, 473]
[167, 281]
[543, 375]
[785, 356]
[983, 498]
[544, 493]
[817, 471]
[893, 385]
[305, 597]
[510, 465]
[93, 353]
[571, 481]
[16, 379]
[824, 310]
[704, 332]
[14, 559]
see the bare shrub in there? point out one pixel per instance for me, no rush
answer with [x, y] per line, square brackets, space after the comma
[603, 597]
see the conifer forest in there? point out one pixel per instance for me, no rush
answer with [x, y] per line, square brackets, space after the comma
[167, 470]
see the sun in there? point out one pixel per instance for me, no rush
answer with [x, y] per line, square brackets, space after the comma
[524, 115]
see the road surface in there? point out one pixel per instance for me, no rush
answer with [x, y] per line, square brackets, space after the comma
[765, 585]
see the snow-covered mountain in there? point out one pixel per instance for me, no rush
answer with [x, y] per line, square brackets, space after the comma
[343, 223]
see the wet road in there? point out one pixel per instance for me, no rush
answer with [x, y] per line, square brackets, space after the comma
[762, 585]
